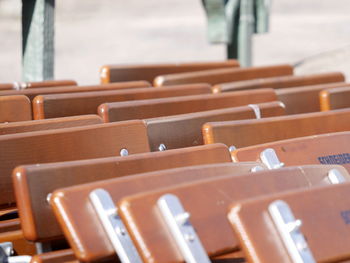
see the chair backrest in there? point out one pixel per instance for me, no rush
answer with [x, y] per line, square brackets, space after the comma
[145, 109]
[245, 133]
[320, 217]
[330, 148]
[39, 84]
[93, 245]
[280, 82]
[207, 202]
[70, 104]
[33, 183]
[48, 124]
[335, 98]
[115, 73]
[185, 130]
[31, 93]
[15, 108]
[304, 99]
[215, 76]
[93, 141]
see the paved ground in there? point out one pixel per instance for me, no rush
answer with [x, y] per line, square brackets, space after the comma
[314, 34]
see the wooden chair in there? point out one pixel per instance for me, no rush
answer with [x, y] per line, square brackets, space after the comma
[314, 221]
[94, 245]
[15, 108]
[31, 93]
[48, 124]
[206, 202]
[304, 99]
[330, 148]
[145, 109]
[245, 133]
[184, 130]
[115, 73]
[33, 184]
[65, 255]
[41, 84]
[335, 98]
[62, 105]
[93, 141]
[216, 76]
[280, 82]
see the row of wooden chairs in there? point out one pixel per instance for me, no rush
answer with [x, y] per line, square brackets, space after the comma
[225, 177]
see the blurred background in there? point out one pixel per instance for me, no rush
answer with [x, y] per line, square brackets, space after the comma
[314, 35]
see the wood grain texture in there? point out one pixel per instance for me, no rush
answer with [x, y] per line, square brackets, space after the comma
[252, 132]
[216, 76]
[94, 245]
[335, 98]
[31, 93]
[331, 148]
[70, 104]
[93, 141]
[33, 183]
[209, 220]
[280, 82]
[115, 73]
[185, 130]
[327, 233]
[48, 124]
[144, 109]
[40, 84]
[304, 99]
[15, 108]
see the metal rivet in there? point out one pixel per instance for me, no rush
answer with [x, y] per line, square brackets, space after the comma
[161, 147]
[124, 152]
[48, 197]
[232, 148]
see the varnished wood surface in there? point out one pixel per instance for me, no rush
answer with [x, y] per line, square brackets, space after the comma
[39, 84]
[31, 93]
[60, 256]
[48, 124]
[209, 220]
[280, 82]
[324, 215]
[20, 245]
[304, 99]
[243, 133]
[15, 108]
[62, 105]
[330, 148]
[93, 141]
[336, 98]
[34, 183]
[144, 109]
[184, 130]
[216, 76]
[115, 73]
[94, 245]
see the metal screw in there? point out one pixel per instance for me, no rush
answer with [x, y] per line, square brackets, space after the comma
[161, 147]
[183, 218]
[124, 152]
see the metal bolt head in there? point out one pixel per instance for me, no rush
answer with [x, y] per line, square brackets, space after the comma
[161, 147]
[232, 148]
[124, 152]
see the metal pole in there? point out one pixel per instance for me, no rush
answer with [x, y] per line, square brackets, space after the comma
[38, 39]
[245, 33]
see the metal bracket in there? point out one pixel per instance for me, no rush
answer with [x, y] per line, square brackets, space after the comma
[177, 220]
[256, 110]
[6, 254]
[114, 227]
[335, 177]
[270, 159]
[289, 230]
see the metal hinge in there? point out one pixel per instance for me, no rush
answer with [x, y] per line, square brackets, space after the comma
[177, 220]
[289, 230]
[114, 227]
[270, 159]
